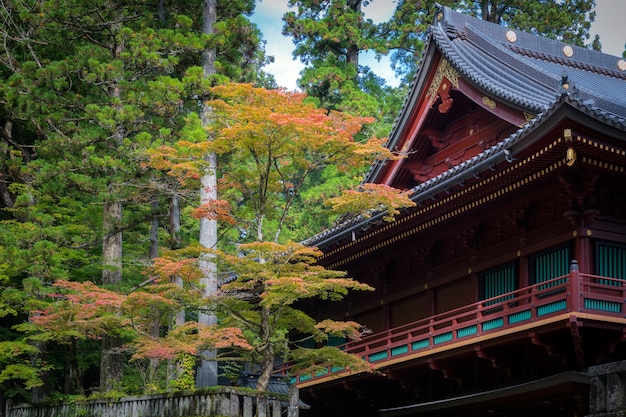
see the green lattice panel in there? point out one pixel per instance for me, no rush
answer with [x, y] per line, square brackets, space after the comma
[551, 308]
[378, 356]
[399, 350]
[441, 338]
[467, 331]
[420, 344]
[610, 306]
[493, 324]
[520, 316]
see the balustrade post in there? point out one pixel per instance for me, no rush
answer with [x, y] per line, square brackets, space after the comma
[276, 408]
[261, 407]
[574, 278]
[293, 409]
[247, 407]
[234, 404]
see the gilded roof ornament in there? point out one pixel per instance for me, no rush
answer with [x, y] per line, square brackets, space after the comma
[489, 102]
[511, 36]
[568, 51]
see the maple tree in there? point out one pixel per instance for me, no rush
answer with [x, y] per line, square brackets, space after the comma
[270, 144]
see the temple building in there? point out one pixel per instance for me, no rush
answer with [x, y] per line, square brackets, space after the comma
[505, 283]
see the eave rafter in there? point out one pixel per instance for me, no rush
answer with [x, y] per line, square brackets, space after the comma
[437, 209]
[464, 194]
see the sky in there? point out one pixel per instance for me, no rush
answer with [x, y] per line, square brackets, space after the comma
[609, 24]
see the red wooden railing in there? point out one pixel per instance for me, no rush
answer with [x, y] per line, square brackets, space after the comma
[574, 292]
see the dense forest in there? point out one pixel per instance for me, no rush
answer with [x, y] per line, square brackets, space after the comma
[154, 182]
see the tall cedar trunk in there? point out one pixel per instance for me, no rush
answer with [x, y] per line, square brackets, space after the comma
[174, 220]
[41, 393]
[207, 371]
[173, 368]
[154, 252]
[154, 231]
[353, 50]
[112, 359]
[267, 352]
[6, 199]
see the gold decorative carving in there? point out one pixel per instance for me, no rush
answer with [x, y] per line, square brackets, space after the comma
[444, 70]
[528, 116]
[568, 51]
[570, 156]
[489, 102]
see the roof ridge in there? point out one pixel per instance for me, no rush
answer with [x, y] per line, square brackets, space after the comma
[568, 62]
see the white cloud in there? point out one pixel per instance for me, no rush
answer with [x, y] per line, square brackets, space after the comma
[268, 17]
[609, 24]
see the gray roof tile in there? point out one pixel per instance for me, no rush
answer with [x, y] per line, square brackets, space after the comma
[526, 74]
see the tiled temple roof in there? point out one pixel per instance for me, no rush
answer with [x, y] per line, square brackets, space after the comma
[526, 70]
[521, 69]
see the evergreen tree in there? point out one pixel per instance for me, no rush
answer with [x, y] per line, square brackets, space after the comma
[328, 36]
[86, 88]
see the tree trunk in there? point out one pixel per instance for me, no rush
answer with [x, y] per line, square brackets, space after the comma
[112, 359]
[353, 50]
[111, 364]
[174, 217]
[112, 243]
[207, 371]
[267, 352]
[154, 231]
[173, 367]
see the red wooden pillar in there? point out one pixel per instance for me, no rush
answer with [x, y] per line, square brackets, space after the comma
[582, 250]
[524, 274]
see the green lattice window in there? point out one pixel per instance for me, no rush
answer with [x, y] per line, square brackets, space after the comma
[610, 261]
[550, 264]
[501, 280]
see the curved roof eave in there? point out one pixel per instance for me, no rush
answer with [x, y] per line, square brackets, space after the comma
[418, 85]
[565, 106]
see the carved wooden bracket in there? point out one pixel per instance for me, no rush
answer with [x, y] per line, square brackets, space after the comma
[445, 369]
[445, 77]
[495, 361]
[580, 188]
[582, 219]
[420, 170]
[437, 138]
[574, 325]
[446, 100]
[549, 348]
